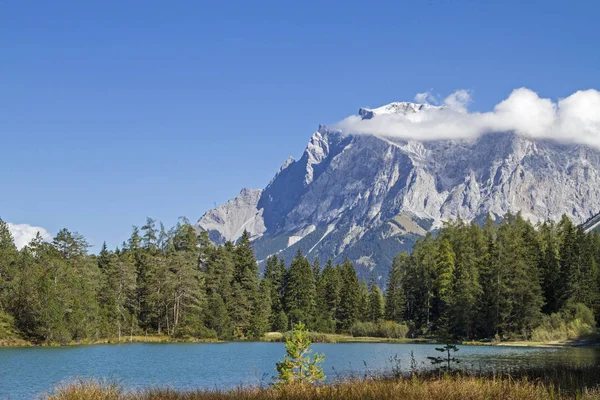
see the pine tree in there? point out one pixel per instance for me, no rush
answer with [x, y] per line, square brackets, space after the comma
[348, 309]
[444, 286]
[420, 278]
[300, 291]
[363, 302]
[8, 265]
[327, 299]
[466, 243]
[569, 261]
[150, 238]
[273, 281]
[217, 318]
[550, 268]
[245, 285]
[376, 302]
[395, 299]
[262, 311]
[297, 366]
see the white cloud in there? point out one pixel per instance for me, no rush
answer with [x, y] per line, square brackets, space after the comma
[574, 119]
[458, 100]
[426, 97]
[23, 234]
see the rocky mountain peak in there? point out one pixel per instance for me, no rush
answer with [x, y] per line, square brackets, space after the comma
[367, 197]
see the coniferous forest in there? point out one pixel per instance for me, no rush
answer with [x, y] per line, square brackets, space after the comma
[504, 280]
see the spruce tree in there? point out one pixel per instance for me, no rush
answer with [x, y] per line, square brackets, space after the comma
[261, 316]
[363, 302]
[348, 309]
[376, 302]
[300, 291]
[444, 286]
[273, 281]
[245, 284]
[395, 299]
[327, 299]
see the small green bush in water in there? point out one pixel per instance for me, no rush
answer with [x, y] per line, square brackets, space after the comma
[297, 366]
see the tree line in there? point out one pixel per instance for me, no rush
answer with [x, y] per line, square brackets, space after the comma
[497, 280]
[467, 281]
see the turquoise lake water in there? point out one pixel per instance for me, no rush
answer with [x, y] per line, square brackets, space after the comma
[27, 373]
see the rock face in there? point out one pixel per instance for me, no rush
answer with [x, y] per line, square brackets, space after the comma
[367, 197]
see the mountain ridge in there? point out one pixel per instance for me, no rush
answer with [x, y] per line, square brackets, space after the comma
[368, 197]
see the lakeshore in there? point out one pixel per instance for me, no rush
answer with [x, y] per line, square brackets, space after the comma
[550, 383]
[315, 337]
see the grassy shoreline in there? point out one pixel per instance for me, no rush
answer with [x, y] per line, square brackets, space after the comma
[315, 337]
[551, 382]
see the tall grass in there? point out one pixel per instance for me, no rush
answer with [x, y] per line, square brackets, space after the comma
[552, 383]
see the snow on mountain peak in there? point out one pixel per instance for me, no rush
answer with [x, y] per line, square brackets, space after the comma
[397, 107]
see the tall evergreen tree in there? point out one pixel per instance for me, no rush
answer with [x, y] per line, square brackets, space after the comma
[300, 291]
[245, 284]
[395, 299]
[273, 278]
[376, 301]
[348, 308]
[444, 286]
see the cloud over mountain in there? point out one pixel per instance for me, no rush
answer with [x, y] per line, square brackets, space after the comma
[574, 119]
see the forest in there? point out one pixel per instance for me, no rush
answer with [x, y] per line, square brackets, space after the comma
[504, 280]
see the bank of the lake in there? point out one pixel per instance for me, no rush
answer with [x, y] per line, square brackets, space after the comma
[315, 338]
[565, 383]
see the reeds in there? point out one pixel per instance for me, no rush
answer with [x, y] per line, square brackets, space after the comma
[553, 382]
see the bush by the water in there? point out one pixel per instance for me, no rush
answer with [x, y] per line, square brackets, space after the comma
[383, 329]
[297, 366]
[573, 322]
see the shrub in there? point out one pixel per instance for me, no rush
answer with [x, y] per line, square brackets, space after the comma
[573, 322]
[195, 330]
[8, 328]
[390, 329]
[384, 329]
[296, 366]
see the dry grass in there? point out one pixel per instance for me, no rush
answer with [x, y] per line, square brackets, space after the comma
[413, 388]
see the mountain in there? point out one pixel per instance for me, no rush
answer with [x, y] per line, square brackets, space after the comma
[367, 197]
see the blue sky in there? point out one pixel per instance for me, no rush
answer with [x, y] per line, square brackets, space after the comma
[113, 111]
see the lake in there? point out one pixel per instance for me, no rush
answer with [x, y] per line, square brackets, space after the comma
[31, 371]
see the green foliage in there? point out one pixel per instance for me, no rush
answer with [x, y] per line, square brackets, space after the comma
[496, 280]
[382, 329]
[280, 323]
[375, 302]
[501, 280]
[300, 291]
[297, 365]
[348, 308]
[8, 329]
[575, 321]
[395, 298]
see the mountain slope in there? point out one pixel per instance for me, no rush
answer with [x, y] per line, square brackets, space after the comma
[368, 197]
